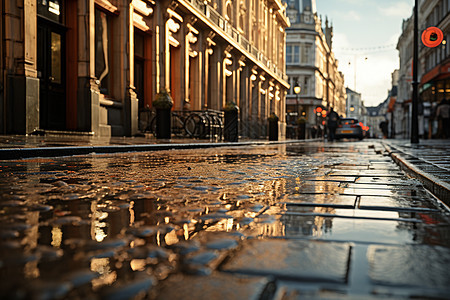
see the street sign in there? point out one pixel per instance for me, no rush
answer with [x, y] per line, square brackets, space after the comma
[432, 37]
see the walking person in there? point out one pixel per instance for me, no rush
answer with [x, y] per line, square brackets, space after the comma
[332, 124]
[384, 125]
[443, 116]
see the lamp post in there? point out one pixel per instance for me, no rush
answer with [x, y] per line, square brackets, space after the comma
[297, 90]
[415, 83]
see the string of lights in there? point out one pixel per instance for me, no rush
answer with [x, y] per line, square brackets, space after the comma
[373, 49]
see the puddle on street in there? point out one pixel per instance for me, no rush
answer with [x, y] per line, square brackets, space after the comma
[74, 226]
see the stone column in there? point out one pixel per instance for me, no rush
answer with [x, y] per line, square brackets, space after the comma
[21, 85]
[88, 92]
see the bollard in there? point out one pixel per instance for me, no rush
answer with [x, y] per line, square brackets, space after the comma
[163, 104]
[163, 124]
[273, 127]
[231, 122]
[301, 128]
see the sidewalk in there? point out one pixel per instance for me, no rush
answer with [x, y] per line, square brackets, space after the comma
[17, 147]
[428, 161]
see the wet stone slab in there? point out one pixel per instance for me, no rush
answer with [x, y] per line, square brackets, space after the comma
[410, 265]
[216, 286]
[292, 259]
[323, 226]
[390, 181]
[397, 203]
[320, 200]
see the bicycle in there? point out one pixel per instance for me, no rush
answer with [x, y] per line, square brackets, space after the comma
[195, 125]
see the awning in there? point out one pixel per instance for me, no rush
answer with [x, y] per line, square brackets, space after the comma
[437, 73]
[391, 104]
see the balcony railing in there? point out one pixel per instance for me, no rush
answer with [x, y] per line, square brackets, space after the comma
[211, 14]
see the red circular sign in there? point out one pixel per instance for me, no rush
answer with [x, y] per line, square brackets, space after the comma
[432, 37]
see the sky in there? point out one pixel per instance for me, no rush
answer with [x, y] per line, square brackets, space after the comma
[365, 36]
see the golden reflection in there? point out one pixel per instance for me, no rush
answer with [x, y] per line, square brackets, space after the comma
[31, 270]
[171, 238]
[56, 237]
[138, 264]
[166, 220]
[228, 224]
[158, 238]
[186, 231]
[97, 231]
[131, 210]
[101, 266]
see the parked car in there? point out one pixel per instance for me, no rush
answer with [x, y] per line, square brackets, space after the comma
[349, 128]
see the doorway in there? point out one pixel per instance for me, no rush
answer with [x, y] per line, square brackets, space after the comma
[51, 65]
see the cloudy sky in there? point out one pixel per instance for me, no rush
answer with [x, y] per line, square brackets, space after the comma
[366, 33]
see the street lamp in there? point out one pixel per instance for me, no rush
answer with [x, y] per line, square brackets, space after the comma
[297, 90]
[352, 109]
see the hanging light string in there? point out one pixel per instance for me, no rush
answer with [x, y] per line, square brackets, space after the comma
[365, 50]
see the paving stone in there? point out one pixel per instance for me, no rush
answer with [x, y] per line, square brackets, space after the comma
[216, 286]
[368, 173]
[380, 192]
[396, 203]
[292, 259]
[332, 179]
[321, 200]
[375, 186]
[410, 265]
[297, 291]
[396, 232]
[386, 180]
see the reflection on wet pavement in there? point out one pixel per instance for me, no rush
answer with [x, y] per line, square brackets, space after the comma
[280, 221]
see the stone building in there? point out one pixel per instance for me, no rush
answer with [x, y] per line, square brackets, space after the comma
[354, 104]
[91, 66]
[311, 65]
[433, 70]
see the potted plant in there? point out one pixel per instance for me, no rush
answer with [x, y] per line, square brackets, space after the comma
[273, 127]
[163, 104]
[231, 122]
[163, 100]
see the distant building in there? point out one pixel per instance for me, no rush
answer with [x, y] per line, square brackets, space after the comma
[94, 66]
[354, 104]
[373, 120]
[311, 65]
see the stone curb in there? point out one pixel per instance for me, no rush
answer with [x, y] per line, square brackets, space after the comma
[437, 187]
[20, 153]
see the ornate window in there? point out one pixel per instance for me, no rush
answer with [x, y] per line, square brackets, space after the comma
[102, 50]
[228, 11]
[242, 16]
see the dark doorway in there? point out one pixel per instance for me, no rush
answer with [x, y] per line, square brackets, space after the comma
[51, 65]
[139, 66]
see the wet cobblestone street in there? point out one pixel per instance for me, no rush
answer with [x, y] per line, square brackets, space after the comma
[290, 221]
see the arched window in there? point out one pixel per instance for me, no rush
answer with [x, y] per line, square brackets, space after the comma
[242, 16]
[229, 11]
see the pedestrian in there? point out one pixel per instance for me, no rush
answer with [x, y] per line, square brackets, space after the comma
[384, 128]
[443, 115]
[332, 123]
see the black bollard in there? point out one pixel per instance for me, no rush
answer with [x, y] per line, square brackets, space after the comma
[163, 124]
[231, 126]
[273, 127]
[163, 105]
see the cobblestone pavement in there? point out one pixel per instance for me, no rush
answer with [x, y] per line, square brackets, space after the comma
[290, 221]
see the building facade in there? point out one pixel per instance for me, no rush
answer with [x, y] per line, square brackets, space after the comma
[354, 105]
[93, 66]
[311, 65]
[433, 69]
